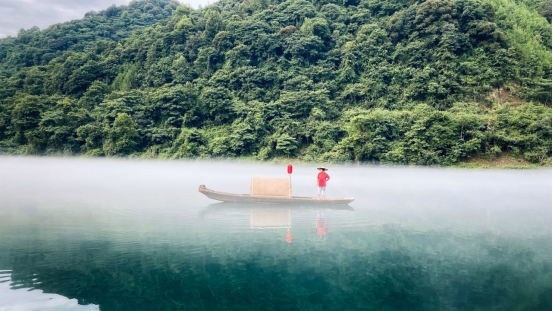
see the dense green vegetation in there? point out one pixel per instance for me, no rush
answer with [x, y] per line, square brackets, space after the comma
[392, 81]
[34, 47]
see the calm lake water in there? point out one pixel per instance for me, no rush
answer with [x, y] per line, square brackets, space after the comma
[97, 234]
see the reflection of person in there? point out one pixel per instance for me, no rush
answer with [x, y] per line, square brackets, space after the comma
[289, 236]
[321, 225]
[322, 178]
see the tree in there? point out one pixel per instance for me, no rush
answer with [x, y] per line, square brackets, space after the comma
[26, 116]
[286, 144]
[213, 25]
[217, 103]
[122, 137]
[316, 27]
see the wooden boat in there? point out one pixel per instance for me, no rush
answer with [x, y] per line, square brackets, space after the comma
[231, 197]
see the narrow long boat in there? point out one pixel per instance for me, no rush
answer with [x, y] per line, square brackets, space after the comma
[232, 197]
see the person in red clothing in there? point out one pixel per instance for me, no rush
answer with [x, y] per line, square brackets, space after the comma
[322, 178]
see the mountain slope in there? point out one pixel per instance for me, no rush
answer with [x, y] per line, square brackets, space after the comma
[33, 47]
[395, 81]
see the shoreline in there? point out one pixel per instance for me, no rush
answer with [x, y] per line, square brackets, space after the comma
[504, 161]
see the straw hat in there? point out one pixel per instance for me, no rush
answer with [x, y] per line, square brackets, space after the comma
[323, 168]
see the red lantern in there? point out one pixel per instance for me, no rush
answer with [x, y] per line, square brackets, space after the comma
[289, 169]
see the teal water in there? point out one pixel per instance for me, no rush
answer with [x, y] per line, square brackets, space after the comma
[129, 235]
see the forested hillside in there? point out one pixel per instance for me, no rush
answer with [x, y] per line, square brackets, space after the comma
[34, 47]
[391, 81]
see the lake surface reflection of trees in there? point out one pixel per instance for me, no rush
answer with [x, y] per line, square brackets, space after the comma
[124, 235]
[252, 267]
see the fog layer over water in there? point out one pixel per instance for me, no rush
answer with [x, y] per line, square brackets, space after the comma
[137, 235]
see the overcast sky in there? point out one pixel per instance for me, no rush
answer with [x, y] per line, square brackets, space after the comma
[17, 14]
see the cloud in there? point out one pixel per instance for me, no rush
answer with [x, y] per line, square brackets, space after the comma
[17, 14]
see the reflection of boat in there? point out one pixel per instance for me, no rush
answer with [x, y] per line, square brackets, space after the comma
[263, 209]
[231, 197]
[275, 216]
[270, 218]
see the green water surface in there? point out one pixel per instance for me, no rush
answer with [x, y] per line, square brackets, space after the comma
[402, 245]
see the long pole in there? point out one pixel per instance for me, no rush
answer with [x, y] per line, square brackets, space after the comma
[290, 186]
[290, 183]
